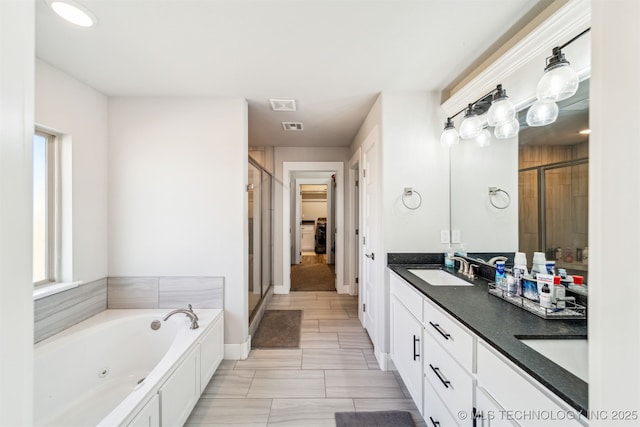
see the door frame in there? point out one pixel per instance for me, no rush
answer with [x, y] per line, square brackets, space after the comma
[287, 230]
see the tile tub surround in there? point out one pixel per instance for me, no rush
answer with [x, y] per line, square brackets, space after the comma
[165, 292]
[57, 312]
[333, 371]
[498, 323]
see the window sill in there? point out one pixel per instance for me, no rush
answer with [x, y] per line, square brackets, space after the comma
[53, 289]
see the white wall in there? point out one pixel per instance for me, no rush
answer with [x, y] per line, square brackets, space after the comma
[413, 157]
[177, 194]
[16, 284]
[409, 124]
[78, 111]
[614, 210]
[484, 228]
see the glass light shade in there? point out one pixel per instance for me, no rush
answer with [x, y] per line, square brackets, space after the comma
[557, 84]
[542, 113]
[484, 139]
[507, 130]
[449, 137]
[501, 111]
[470, 127]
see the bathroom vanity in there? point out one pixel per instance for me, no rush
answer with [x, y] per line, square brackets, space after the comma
[466, 355]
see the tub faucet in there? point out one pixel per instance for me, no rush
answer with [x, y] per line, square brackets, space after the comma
[190, 314]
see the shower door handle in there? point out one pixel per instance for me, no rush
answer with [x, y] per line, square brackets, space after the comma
[371, 256]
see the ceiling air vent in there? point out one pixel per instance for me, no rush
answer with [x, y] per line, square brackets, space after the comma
[292, 126]
[283, 104]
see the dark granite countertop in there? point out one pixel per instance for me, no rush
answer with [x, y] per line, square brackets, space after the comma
[498, 322]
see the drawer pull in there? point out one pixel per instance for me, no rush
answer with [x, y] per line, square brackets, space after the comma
[415, 353]
[437, 327]
[439, 375]
[435, 423]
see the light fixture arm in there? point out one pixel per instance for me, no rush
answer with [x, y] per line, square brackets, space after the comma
[471, 105]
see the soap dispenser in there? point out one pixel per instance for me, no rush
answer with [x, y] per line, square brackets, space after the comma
[448, 258]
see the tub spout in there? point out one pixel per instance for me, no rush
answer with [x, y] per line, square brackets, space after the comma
[189, 313]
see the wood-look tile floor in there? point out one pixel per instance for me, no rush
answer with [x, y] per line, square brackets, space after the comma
[334, 370]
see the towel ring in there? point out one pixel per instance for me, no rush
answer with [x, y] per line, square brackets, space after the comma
[409, 192]
[493, 191]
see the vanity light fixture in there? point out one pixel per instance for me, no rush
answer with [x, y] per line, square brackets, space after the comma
[494, 110]
[471, 125]
[484, 139]
[585, 132]
[559, 82]
[502, 109]
[449, 135]
[73, 12]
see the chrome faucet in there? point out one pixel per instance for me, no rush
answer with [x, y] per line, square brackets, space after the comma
[190, 314]
[464, 265]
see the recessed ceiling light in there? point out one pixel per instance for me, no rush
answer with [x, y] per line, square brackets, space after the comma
[585, 132]
[73, 12]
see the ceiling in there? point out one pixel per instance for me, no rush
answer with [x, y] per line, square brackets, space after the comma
[332, 56]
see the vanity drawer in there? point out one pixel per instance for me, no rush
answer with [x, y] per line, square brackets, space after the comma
[452, 383]
[450, 334]
[435, 411]
[518, 393]
[407, 295]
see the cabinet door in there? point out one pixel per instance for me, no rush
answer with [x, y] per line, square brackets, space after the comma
[406, 349]
[149, 415]
[180, 393]
[211, 352]
[489, 413]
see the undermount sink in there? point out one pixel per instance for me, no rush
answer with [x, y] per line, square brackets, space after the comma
[570, 353]
[439, 277]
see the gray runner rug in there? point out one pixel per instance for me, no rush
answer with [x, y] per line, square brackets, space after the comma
[278, 329]
[374, 419]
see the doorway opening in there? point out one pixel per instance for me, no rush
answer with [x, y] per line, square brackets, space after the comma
[313, 217]
[315, 211]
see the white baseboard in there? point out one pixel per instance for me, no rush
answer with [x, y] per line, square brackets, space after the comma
[384, 360]
[280, 290]
[237, 351]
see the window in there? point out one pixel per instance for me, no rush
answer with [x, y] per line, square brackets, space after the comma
[45, 203]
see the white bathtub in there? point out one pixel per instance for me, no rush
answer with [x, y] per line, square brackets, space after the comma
[104, 370]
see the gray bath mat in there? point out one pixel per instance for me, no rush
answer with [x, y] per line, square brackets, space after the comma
[374, 419]
[278, 329]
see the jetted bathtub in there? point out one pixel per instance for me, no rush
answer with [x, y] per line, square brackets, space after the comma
[114, 369]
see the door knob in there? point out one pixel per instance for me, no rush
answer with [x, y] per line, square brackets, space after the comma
[371, 256]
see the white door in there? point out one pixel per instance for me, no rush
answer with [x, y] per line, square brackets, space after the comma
[370, 236]
[296, 224]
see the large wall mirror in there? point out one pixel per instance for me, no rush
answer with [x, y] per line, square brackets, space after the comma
[542, 173]
[553, 185]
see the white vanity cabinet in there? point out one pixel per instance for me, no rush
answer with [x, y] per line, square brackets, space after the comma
[448, 367]
[458, 377]
[406, 336]
[528, 403]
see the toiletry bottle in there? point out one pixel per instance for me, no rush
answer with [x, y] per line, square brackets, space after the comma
[448, 262]
[559, 293]
[545, 296]
[501, 276]
[539, 264]
[512, 289]
[519, 271]
[551, 267]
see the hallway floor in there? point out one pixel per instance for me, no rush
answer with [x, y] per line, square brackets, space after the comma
[334, 370]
